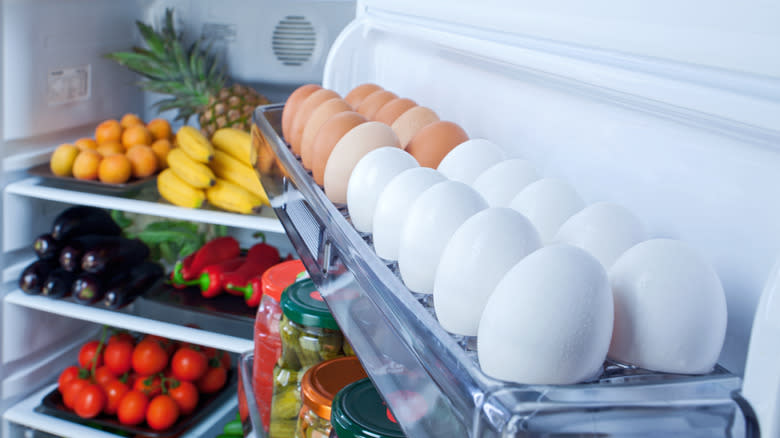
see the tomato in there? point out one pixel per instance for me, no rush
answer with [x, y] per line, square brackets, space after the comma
[132, 408]
[121, 336]
[162, 412]
[169, 345]
[90, 401]
[149, 357]
[118, 357]
[189, 364]
[103, 375]
[71, 389]
[185, 394]
[222, 356]
[87, 352]
[213, 380]
[149, 385]
[68, 374]
[115, 390]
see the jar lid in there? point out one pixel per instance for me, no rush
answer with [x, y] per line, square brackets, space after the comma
[302, 303]
[323, 381]
[359, 412]
[278, 277]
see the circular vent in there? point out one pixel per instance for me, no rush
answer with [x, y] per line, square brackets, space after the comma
[294, 40]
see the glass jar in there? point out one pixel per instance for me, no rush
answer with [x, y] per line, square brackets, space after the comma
[318, 387]
[358, 411]
[309, 335]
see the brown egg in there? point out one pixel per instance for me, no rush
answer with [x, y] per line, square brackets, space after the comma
[393, 109]
[371, 104]
[435, 141]
[411, 121]
[329, 134]
[317, 118]
[292, 105]
[304, 112]
[359, 93]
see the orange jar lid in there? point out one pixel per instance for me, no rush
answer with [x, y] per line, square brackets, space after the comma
[323, 381]
[276, 278]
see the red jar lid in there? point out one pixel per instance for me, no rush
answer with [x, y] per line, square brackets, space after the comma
[276, 278]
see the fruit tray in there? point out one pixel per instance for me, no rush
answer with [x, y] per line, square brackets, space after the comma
[432, 379]
[132, 186]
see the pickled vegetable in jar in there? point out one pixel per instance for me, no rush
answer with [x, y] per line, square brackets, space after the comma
[358, 411]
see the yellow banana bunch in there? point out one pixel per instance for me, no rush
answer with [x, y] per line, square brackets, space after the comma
[178, 192]
[231, 197]
[192, 172]
[191, 141]
[226, 167]
[237, 143]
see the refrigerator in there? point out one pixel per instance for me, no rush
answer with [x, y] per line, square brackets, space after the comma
[670, 110]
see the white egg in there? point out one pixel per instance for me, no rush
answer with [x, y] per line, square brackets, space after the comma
[549, 320]
[547, 203]
[604, 229]
[393, 205]
[477, 256]
[429, 225]
[369, 177]
[501, 182]
[670, 308]
[470, 158]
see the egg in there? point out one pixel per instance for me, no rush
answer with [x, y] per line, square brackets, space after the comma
[393, 109]
[293, 104]
[374, 101]
[670, 308]
[469, 159]
[604, 229]
[369, 178]
[501, 182]
[357, 94]
[429, 225]
[474, 260]
[321, 115]
[411, 121]
[304, 112]
[547, 202]
[356, 143]
[549, 319]
[433, 142]
[329, 134]
[393, 204]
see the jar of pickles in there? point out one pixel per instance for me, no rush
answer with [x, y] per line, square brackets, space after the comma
[309, 335]
[358, 411]
[318, 387]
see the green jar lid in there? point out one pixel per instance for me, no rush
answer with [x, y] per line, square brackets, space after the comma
[302, 304]
[358, 411]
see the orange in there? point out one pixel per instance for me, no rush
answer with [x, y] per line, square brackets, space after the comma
[115, 169]
[86, 164]
[62, 159]
[110, 148]
[129, 120]
[161, 149]
[136, 134]
[160, 129]
[109, 130]
[143, 160]
[86, 143]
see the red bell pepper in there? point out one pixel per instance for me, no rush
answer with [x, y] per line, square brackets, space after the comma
[211, 280]
[252, 292]
[214, 251]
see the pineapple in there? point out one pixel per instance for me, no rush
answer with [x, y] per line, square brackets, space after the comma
[194, 79]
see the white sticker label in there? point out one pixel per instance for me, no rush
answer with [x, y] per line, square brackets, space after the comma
[219, 31]
[69, 84]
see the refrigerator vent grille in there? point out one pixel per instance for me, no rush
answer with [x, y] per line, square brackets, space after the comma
[294, 40]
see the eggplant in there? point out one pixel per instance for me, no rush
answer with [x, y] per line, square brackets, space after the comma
[116, 255]
[141, 278]
[46, 247]
[72, 253]
[81, 220]
[90, 288]
[59, 283]
[34, 275]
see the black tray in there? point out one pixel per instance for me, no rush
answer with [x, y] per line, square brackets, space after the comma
[53, 405]
[44, 171]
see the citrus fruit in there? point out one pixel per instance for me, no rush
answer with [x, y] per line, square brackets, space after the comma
[143, 160]
[115, 169]
[160, 129]
[61, 162]
[136, 134]
[110, 148]
[129, 120]
[109, 130]
[86, 143]
[161, 148]
[86, 164]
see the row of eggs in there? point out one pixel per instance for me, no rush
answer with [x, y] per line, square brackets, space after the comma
[550, 287]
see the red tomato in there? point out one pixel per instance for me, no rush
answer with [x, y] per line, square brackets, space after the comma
[222, 356]
[87, 352]
[90, 401]
[189, 364]
[115, 390]
[71, 389]
[169, 345]
[185, 394]
[121, 336]
[132, 408]
[118, 357]
[149, 385]
[213, 380]
[103, 375]
[68, 374]
[149, 357]
[162, 412]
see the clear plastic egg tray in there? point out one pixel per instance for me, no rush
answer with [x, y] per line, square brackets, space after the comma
[430, 378]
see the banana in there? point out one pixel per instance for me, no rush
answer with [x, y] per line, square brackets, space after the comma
[178, 192]
[237, 143]
[192, 172]
[231, 197]
[191, 141]
[225, 166]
